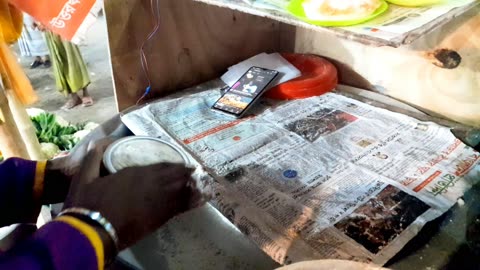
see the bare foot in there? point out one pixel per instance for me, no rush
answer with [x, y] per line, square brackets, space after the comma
[87, 101]
[72, 102]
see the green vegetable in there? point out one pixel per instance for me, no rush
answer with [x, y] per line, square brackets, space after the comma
[50, 131]
[50, 150]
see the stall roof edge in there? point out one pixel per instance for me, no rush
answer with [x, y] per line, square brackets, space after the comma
[404, 39]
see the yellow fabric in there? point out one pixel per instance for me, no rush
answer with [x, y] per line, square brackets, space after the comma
[90, 233]
[38, 183]
[11, 23]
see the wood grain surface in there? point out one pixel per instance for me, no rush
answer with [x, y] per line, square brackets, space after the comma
[409, 73]
[196, 42]
[11, 144]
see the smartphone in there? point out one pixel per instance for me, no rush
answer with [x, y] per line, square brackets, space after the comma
[245, 92]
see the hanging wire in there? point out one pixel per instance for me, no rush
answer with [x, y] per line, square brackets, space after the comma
[143, 59]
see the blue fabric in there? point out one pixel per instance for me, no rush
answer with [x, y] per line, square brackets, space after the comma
[32, 42]
[16, 191]
[56, 246]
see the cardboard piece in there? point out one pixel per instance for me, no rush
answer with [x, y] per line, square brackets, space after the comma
[273, 61]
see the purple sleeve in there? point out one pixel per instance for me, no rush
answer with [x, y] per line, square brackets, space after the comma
[56, 246]
[17, 204]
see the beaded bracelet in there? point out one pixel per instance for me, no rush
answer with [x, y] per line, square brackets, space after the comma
[95, 217]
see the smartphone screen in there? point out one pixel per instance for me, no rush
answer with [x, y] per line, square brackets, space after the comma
[245, 91]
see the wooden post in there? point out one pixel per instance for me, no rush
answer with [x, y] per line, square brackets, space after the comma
[11, 143]
[25, 126]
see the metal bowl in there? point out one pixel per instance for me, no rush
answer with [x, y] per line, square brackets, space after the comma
[141, 151]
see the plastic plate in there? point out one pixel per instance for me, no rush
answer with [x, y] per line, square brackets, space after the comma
[415, 3]
[296, 9]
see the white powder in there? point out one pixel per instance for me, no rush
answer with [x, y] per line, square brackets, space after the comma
[339, 10]
[142, 152]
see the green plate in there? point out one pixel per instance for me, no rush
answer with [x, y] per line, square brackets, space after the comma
[415, 3]
[295, 7]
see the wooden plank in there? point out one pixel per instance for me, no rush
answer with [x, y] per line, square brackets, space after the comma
[11, 143]
[345, 33]
[196, 42]
[407, 73]
[412, 36]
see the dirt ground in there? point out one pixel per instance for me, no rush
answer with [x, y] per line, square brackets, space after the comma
[95, 54]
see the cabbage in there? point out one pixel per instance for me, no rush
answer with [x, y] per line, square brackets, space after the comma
[79, 135]
[90, 126]
[62, 122]
[49, 130]
[53, 129]
[35, 112]
[32, 112]
[50, 150]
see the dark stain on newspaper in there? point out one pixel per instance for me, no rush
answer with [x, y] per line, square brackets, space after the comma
[380, 220]
[321, 123]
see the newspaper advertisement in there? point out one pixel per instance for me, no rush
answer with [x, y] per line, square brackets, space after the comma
[326, 177]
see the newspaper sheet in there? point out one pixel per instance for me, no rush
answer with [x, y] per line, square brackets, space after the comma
[323, 177]
[399, 21]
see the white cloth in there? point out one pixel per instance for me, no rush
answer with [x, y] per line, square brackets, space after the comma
[31, 42]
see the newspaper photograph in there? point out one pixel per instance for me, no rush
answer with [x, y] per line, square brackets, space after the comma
[382, 218]
[326, 177]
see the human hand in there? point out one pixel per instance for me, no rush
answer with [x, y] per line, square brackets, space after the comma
[39, 26]
[137, 200]
[60, 171]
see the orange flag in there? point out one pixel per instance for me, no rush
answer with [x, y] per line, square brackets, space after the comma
[11, 23]
[62, 17]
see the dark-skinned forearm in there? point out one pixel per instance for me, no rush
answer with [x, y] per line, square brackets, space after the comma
[56, 184]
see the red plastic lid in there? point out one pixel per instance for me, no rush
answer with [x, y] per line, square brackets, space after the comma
[318, 77]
